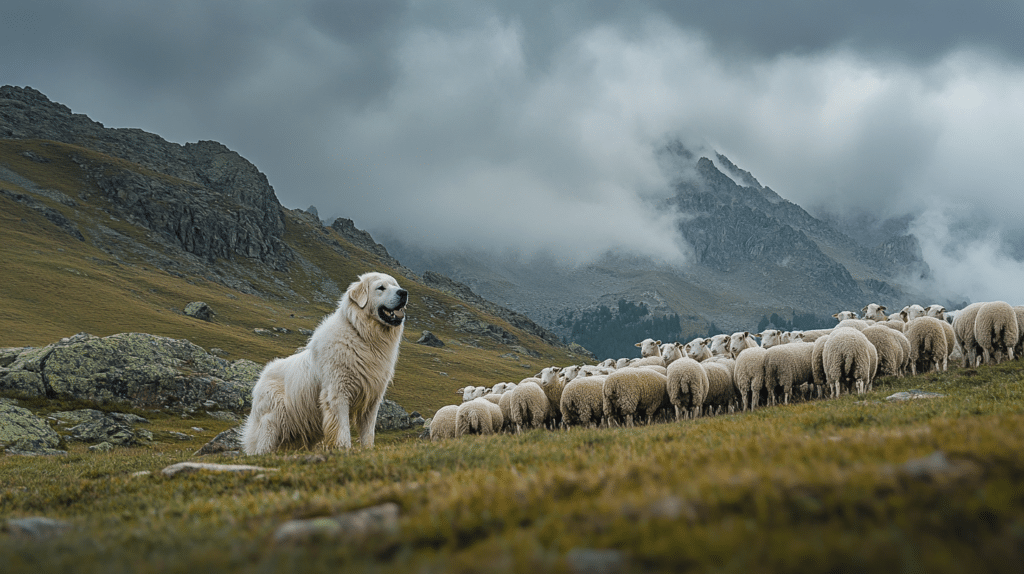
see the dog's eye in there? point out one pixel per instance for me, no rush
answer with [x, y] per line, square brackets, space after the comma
[381, 288]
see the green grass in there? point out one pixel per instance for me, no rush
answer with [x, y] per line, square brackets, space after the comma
[817, 486]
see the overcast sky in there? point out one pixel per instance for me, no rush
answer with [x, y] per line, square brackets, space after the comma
[531, 126]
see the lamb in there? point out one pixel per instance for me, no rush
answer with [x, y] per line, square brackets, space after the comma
[582, 401]
[649, 348]
[571, 372]
[786, 366]
[687, 387]
[630, 393]
[770, 338]
[927, 344]
[473, 417]
[843, 315]
[528, 407]
[740, 341]
[748, 375]
[722, 393]
[963, 330]
[443, 424]
[996, 330]
[890, 352]
[790, 336]
[875, 312]
[847, 361]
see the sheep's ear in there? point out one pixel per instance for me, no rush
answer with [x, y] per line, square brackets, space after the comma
[881, 308]
[638, 345]
[759, 335]
[557, 369]
[658, 343]
[728, 338]
[359, 293]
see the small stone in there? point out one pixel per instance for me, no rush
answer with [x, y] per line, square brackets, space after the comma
[36, 527]
[913, 394]
[192, 467]
[102, 447]
[227, 441]
[353, 526]
[594, 561]
[264, 332]
[305, 332]
[180, 435]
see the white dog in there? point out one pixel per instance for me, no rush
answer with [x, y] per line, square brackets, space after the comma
[343, 371]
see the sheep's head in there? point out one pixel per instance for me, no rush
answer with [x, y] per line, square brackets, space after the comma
[770, 338]
[844, 315]
[874, 312]
[649, 348]
[549, 375]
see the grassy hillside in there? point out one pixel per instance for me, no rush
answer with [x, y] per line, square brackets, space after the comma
[853, 484]
[55, 286]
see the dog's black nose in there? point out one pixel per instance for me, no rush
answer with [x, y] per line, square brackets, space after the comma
[403, 297]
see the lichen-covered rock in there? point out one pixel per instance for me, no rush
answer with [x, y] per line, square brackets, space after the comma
[25, 383]
[392, 416]
[227, 441]
[200, 310]
[146, 371]
[22, 432]
[429, 339]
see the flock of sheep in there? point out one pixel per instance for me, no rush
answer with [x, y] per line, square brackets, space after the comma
[724, 373]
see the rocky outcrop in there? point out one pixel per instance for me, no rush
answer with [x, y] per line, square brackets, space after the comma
[202, 196]
[143, 370]
[392, 416]
[429, 339]
[200, 311]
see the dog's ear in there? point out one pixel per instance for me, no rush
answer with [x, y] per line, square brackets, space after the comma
[359, 293]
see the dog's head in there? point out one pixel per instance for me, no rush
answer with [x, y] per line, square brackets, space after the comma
[382, 298]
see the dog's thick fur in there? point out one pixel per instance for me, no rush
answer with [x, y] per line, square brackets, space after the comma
[343, 372]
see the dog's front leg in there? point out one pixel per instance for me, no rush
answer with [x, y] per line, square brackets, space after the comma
[367, 425]
[334, 407]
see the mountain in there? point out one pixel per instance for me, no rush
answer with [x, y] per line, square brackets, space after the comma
[116, 230]
[755, 254]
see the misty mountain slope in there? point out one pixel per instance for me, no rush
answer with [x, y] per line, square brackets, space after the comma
[754, 253]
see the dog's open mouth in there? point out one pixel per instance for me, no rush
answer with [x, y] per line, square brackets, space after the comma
[393, 317]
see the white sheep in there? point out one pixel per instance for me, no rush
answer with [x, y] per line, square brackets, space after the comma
[937, 311]
[671, 352]
[927, 345]
[497, 418]
[630, 393]
[786, 367]
[818, 366]
[697, 350]
[474, 417]
[813, 335]
[719, 345]
[843, 315]
[890, 352]
[895, 324]
[586, 371]
[442, 426]
[996, 330]
[722, 394]
[859, 324]
[582, 401]
[649, 348]
[748, 376]
[528, 407]
[770, 338]
[622, 363]
[739, 341]
[913, 312]
[846, 359]
[687, 387]
[963, 330]
[1018, 351]
[875, 312]
[552, 383]
[656, 361]
[607, 363]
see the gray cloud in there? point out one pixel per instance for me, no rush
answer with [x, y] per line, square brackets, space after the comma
[531, 127]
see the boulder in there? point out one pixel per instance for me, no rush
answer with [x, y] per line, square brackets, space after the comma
[392, 416]
[227, 441]
[200, 311]
[22, 432]
[429, 339]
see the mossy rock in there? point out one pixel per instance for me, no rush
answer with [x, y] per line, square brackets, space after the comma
[24, 432]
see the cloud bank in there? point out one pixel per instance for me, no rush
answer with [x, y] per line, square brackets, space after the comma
[532, 128]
